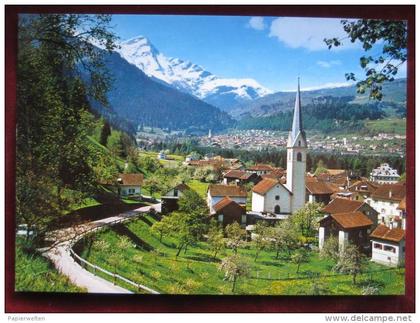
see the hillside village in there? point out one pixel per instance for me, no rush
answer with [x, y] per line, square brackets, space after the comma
[103, 208]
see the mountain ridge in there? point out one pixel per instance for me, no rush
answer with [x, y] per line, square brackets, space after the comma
[189, 77]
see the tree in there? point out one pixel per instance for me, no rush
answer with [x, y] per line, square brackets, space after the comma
[299, 257]
[330, 249]
[55, 165]
[284, 237]
[162, 227]
[306, 219]
[235, 236]
[105, 133]
[320, 169]
[384, 66]
[215, 238]
[234, 267]
[153, 183]
[261, 238]
[351, 261]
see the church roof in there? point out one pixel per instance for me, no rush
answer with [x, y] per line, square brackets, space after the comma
[266, 185]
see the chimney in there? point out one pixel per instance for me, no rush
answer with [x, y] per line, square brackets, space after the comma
[390, 193]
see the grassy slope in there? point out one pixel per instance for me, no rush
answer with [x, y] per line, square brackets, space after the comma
[389, 125]
[36, 274]
[196, 273]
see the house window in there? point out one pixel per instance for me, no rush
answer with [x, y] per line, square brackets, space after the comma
[299, 143]
[299, 156]
[175, 192]
[390, 249]
[382, 210]
[277, 197]
[383, 219]
[131, 191]
[377, 246]
[277, 209]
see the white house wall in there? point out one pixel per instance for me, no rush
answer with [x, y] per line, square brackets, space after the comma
[388, 257]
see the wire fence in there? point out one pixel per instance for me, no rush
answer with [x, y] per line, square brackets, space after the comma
[95, 268]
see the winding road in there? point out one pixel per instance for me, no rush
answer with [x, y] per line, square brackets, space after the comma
[66, 265]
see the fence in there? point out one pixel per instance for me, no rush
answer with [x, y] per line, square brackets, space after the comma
[96, 268]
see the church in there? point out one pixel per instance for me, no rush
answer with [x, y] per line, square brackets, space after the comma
[270, 196]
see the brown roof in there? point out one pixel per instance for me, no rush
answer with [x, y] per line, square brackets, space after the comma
[265, 185]
[203, 163]
[311, 179]
[227, 190]
[385, 233]
[321, 188]
[130, 179]
[352, 220]
[229, 208]
[239, 174]
[342, 205]
[363, 186]
[390, 192]
[402, 205]
[260, 167]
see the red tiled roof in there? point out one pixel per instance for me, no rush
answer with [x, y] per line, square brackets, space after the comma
[341, 205]
[385, 233]
[260, 167]
[352, 220]
[229, 207]
[321, 188]
[130, 179]
[239, 174]
[227, 190]
[390, 192]
[265, 185]
[359, 186]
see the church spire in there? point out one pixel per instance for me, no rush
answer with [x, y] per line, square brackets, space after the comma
[297, 117]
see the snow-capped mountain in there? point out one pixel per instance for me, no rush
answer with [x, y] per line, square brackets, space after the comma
[188, 77]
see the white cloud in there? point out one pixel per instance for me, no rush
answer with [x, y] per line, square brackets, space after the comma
[257, 23]
[307, 33]
[328, 64]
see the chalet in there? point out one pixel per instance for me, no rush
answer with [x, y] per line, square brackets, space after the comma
[228, 211]
[320, 192]
[385, 200]
[170, 198]
[240, 177]
[161, 155]
[388, 245]
[270, 196]
[217, 192]
[353, 227]
[129, 184]
[341, 205]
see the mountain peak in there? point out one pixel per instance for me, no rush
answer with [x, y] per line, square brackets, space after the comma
[189, 77]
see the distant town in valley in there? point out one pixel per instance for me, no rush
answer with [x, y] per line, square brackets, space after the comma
[168, 179]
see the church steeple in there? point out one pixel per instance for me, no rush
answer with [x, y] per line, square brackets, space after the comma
[297, 125]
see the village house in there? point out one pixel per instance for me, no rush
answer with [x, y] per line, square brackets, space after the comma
[385, 200]
[240, 177]
[348, 227]
[342, 205]
[363, 189]
[320, 192]
[217, 192]
[260, 169]
[161, 155]
[170, 199]
[272, 197]
[129, 184]
[403, 214]
[388, 245]
[227, 211]
[277, 173]
[384, 174]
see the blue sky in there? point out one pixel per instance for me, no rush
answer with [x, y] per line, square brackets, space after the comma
[271, 50]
